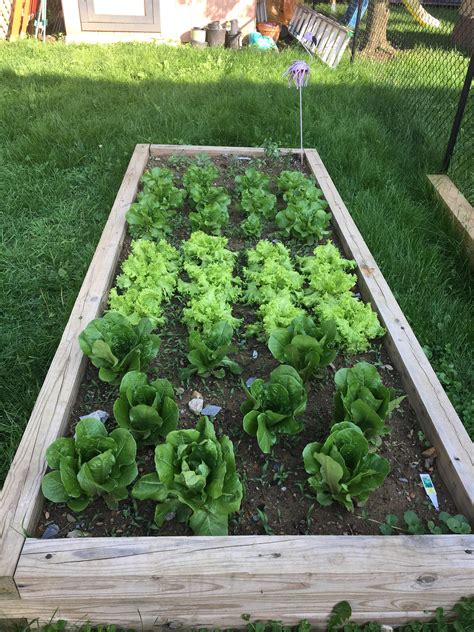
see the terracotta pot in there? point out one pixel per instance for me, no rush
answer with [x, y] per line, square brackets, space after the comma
[270, 29]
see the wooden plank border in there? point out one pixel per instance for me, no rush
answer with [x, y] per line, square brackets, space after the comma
[20, 499]
[209, 582]
[460, 211]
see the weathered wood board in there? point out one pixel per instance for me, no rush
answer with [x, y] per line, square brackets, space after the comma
[211, 582]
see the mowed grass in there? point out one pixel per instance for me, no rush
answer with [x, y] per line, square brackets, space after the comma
[71, 116]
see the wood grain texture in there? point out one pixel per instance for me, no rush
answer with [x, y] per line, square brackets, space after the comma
[203, 581]
[436, 415]
[21, 499]
[461, 212]
[192, 150]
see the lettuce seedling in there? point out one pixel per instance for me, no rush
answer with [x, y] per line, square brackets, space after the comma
[363, 399]
[198, 180]
[208, 353]
[152, 216]
[252, 180]
[91, 464]
[304, 346]
[342, 469]
[195, 477]
[211, 213]
[252, 226]
[258, 202]
[290, 180]
[274, 407]
[147, 410]
[115, 346]
[306, 221]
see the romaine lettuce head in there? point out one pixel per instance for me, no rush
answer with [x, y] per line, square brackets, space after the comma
[363, 399]
[195, 477]
[342, 469]
[115, 346]
[148, 410]
[274, 407]
[93, 463]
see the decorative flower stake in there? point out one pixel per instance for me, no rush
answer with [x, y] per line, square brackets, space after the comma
[298, 73]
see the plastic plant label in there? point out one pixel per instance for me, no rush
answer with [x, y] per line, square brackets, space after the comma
[430, 489]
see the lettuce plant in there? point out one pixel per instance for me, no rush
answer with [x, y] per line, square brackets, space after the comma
[274, 407]
[252, 180]
[342, 469]
[115, 346]
[151, 216]
[306, 221]
[329, 295]
[274, 285]
[93, 463]
[362, 399]
[252, 226]
[148, 278]
[289, 180]
[259, 202]
[304, 346]
[211, 213]
[195, 477]
[147, 410]
[212, 287]
[198, 180]
[208, 354]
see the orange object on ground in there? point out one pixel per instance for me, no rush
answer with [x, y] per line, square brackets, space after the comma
[270, 29]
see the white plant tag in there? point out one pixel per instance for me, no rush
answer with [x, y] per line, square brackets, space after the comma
[430, 489]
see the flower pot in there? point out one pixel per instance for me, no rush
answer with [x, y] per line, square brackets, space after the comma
[270, 29]
[215, 37]
[198, 35]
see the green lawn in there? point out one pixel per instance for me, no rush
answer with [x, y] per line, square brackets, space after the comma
[70, 117]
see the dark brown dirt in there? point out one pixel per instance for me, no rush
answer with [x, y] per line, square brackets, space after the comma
[277, 498]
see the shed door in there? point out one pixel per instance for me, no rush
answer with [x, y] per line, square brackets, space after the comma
[120, 15]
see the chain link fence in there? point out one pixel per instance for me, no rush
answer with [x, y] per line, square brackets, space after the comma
[425, 50]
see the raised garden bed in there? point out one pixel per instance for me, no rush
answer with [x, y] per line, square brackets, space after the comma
[295, 574]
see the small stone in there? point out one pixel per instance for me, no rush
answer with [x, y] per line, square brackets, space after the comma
[403, 480]
[250, 381]
[51, 531]
[389, 367]
[254, 354]
[100, 415]
[283, 489]
[195, 405]
[210, 410]
[412, 495]
[196, 395]
[430, 453]
[170, 516]
[46, 515]
[77, 533]
[428, 464]
[70, 518]
[179, 391]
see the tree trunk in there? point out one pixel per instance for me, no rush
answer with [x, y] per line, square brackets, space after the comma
[375, 38]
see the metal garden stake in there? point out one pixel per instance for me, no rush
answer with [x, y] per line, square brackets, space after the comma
[298, 73]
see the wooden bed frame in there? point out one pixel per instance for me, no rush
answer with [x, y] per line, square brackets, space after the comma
[155, 582]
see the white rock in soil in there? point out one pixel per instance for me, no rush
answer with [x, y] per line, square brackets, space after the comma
[195, 405]
[196, 395]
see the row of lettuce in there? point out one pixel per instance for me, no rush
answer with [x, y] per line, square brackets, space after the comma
[305, 310]
[155, 214]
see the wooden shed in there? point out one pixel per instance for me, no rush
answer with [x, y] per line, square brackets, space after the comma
[102, 21]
